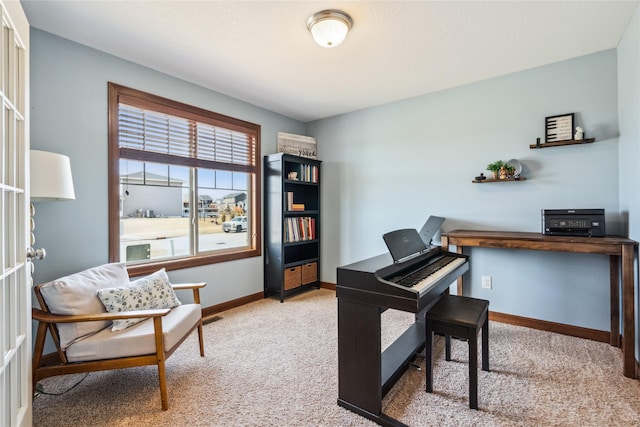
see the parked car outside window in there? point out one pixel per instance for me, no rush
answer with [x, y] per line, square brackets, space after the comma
[237, 224]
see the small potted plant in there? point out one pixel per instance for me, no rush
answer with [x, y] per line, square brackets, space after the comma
[510, 170]
[495, 168]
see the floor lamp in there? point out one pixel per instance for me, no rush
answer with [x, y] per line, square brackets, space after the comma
[51, 180]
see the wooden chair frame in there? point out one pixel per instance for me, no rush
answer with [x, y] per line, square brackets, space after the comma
[61, 366]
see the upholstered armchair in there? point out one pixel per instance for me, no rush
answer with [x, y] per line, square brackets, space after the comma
[100, 320]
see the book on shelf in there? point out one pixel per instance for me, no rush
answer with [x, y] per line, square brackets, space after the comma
[289, 200]
[299, 229]
[297, 207]
[308, 173]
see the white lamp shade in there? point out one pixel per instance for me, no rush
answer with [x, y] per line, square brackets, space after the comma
[50, 177]
[329, 27]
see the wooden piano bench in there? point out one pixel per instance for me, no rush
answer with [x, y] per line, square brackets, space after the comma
[461, 317]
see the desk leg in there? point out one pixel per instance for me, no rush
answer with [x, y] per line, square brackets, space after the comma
[444, 243]
[614, 294]
[460, 280]
[628, 327]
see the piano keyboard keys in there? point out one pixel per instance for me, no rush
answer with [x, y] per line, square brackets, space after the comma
[423, 272]
[437, 275]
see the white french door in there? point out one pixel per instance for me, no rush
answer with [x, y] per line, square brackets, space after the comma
[15, 275]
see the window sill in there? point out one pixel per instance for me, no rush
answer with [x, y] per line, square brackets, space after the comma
[182, 263]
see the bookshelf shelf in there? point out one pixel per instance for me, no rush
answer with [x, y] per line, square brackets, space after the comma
[292, 223]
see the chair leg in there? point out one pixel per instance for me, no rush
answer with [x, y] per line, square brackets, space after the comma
[201, 339]
[162, 375]
[428, 359]
[41, 335]
[473, 372]
[485, 345]
[160, 357]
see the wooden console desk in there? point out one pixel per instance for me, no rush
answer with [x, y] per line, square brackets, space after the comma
[621, 253]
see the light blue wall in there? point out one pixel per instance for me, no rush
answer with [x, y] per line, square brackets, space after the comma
[629, 118]
[69, 116]
[392, 166]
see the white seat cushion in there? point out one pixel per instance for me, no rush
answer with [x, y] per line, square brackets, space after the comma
[76, 294]
[136, 340]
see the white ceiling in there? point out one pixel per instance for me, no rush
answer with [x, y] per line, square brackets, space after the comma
[262, 53]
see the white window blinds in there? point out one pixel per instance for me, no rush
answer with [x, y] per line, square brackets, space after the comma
[151, 135]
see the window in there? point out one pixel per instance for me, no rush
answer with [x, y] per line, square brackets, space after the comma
[184, 184]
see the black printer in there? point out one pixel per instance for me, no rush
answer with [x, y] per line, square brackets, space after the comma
[573, 222]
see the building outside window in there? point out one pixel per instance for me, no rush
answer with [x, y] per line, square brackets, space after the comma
[183, 183]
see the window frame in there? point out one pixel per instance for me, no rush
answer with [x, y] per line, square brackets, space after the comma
[156, 103]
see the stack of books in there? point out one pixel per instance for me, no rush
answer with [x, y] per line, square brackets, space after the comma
[299, 229]
[293, 206]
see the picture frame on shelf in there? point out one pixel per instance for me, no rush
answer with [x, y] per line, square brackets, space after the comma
[559, 128]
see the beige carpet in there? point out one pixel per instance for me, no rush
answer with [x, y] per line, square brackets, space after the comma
[273, 364]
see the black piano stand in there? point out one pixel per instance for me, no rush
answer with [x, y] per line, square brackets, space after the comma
[365, 374]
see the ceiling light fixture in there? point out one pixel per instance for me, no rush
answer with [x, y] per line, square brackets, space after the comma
[329, 27]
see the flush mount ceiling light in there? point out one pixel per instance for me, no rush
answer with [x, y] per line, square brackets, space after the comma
[329, 27]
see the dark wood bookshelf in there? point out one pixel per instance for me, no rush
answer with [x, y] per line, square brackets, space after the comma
[291, 237]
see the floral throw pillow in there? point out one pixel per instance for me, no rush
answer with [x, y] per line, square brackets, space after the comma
[148, 293]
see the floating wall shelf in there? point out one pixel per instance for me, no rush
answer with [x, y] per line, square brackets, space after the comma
[475, 181]
[560, 143]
